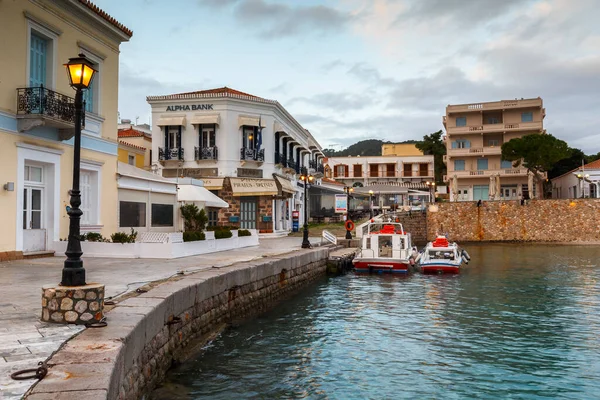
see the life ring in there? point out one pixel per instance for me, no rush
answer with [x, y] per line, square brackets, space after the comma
[349, 225]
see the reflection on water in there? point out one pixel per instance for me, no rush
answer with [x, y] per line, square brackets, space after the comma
[521, 321]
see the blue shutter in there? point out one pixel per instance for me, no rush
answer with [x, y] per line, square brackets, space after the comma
[37, 61]
[467, 144]
[459, 165]
[482, 164]
[88, 97]
[454, 145]
[505, 164]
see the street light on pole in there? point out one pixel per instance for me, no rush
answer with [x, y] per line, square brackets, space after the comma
[80, 72]
[348, 190]
[431, 188]
[370, 204]
[306, 179]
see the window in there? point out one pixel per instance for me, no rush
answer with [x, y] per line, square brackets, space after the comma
[527, 117]
[493, 142]
[213, 216]
[85, 185]
[459, 165]
[493, 120]
[482, 164]
[38, 60]
[461, 144]
[207, 135]
[162, 214]
[90, 93]
[340, 170]
[249, 137]
[505, 164]
[461, 121]
[131, 160]
[172, 137]
[33, 174]
[132, 214]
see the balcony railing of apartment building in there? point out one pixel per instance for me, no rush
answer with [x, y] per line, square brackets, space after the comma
[206, 153]
[417, 174]
[44, 102]
[382, 174]
[174, 153]
[248, 154]
[495, 105]
[501, 127]
[475, 151]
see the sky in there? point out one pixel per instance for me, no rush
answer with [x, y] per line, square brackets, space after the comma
[350, 70]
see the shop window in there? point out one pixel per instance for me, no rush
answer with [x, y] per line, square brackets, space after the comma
[132, 214]
[162, 215]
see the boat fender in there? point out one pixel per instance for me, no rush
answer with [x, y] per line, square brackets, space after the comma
[465, 260]
[466, 255]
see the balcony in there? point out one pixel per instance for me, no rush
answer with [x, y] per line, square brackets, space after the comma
[382, 174]
[495, 105]
[417, 174]
[496, 128]
[38, 106]
[247, 154]
[206, 153]
[475, 151]
[489, 172]
[174, 153]
[312, 164]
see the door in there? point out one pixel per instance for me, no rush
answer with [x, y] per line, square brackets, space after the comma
[481, 192]
[248, 208]
[34, 234]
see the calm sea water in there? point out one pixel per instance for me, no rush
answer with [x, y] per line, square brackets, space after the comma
[520, 322]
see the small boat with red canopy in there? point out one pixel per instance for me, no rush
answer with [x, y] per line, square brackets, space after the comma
[385, 247]
[441, 256]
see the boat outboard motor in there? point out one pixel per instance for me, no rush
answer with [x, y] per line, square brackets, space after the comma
[465, 256]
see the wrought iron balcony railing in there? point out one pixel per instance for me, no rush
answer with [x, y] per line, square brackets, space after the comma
[206, 153]
[320, 168]
[291, 163]
[312, 164]
[247, 154]
[279, 158]
[45, 102]
[304, 171]
[174, 153]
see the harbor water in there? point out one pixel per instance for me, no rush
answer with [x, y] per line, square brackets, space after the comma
[521, 321]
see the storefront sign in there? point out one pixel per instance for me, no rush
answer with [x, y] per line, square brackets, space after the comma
[341, 203]
[193, 107]
[196, 173]
[253, 187]
[250, 173]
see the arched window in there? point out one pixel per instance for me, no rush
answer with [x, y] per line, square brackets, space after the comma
[357, 184]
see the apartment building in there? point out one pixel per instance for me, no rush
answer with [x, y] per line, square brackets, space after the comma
[37, 120]
[474, 137]
[249, 150]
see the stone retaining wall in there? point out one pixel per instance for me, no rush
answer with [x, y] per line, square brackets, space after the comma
[537, 221]
[145, 334]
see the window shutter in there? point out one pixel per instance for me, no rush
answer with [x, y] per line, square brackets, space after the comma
[86, 197]
[167, 144]
[335, 171]
[346, 173]
[37, 63]
[467, 144]
[454, 144]
[179, 137]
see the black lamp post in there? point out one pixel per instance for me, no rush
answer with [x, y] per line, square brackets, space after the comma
[348, 190]
[370, 204]
[81, 72]
[306, 179]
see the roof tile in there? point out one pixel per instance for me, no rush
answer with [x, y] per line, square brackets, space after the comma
[107, 17]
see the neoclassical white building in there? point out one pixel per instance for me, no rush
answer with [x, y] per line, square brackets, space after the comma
[248, 150]
[580, 182]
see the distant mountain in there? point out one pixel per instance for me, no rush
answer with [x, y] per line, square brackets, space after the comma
[369, 147]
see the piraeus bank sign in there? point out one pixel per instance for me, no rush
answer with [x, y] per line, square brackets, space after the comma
[193, 107]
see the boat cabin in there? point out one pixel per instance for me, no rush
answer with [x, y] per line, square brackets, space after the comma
[386, 240]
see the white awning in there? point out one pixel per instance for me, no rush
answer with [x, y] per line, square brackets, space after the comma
[205, 119]
[171, 120]
[213, 183]
[253, 187]
[285, 185]
[199, 194]
[250, 121]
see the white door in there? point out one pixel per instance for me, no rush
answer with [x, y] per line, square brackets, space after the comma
[34, 232]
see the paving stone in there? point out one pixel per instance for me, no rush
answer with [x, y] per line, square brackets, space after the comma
[76, 395]
[73, 377]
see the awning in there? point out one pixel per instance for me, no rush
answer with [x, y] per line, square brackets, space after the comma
[253, 187]
[171, 121]
[200, 194]
[213, 183]
[205, 119]
[250, 121]
[285, 185]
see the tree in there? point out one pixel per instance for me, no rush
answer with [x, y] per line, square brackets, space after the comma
[433, 144]
[536, 152]
[570, 163]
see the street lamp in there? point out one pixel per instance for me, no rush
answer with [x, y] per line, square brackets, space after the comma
[348, 190]
[431, 188]
[370, 204]
[306, 179]
[582, 178]
[80, 72]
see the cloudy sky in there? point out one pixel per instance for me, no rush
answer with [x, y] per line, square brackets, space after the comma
[357, 69]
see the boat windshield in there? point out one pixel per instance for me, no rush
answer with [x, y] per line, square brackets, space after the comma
[441, 255]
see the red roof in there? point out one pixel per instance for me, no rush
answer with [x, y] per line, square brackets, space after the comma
[107, 17]
[592, 165]
[130, 132]
[132, 145]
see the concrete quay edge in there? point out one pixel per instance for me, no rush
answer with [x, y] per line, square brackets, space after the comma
[95, 362]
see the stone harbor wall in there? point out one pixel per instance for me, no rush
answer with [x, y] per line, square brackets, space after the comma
[415, 222]
[557, 220]
[148, 333]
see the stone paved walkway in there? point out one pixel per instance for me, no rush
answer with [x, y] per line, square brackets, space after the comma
[24, 340]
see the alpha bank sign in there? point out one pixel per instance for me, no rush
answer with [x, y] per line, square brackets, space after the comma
[193, 107]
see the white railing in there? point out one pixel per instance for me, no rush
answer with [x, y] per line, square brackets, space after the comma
[330, 237]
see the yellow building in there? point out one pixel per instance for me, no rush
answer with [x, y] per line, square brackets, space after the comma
[37, 120]
[400, 150]
[135, 147]
[474, 137]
